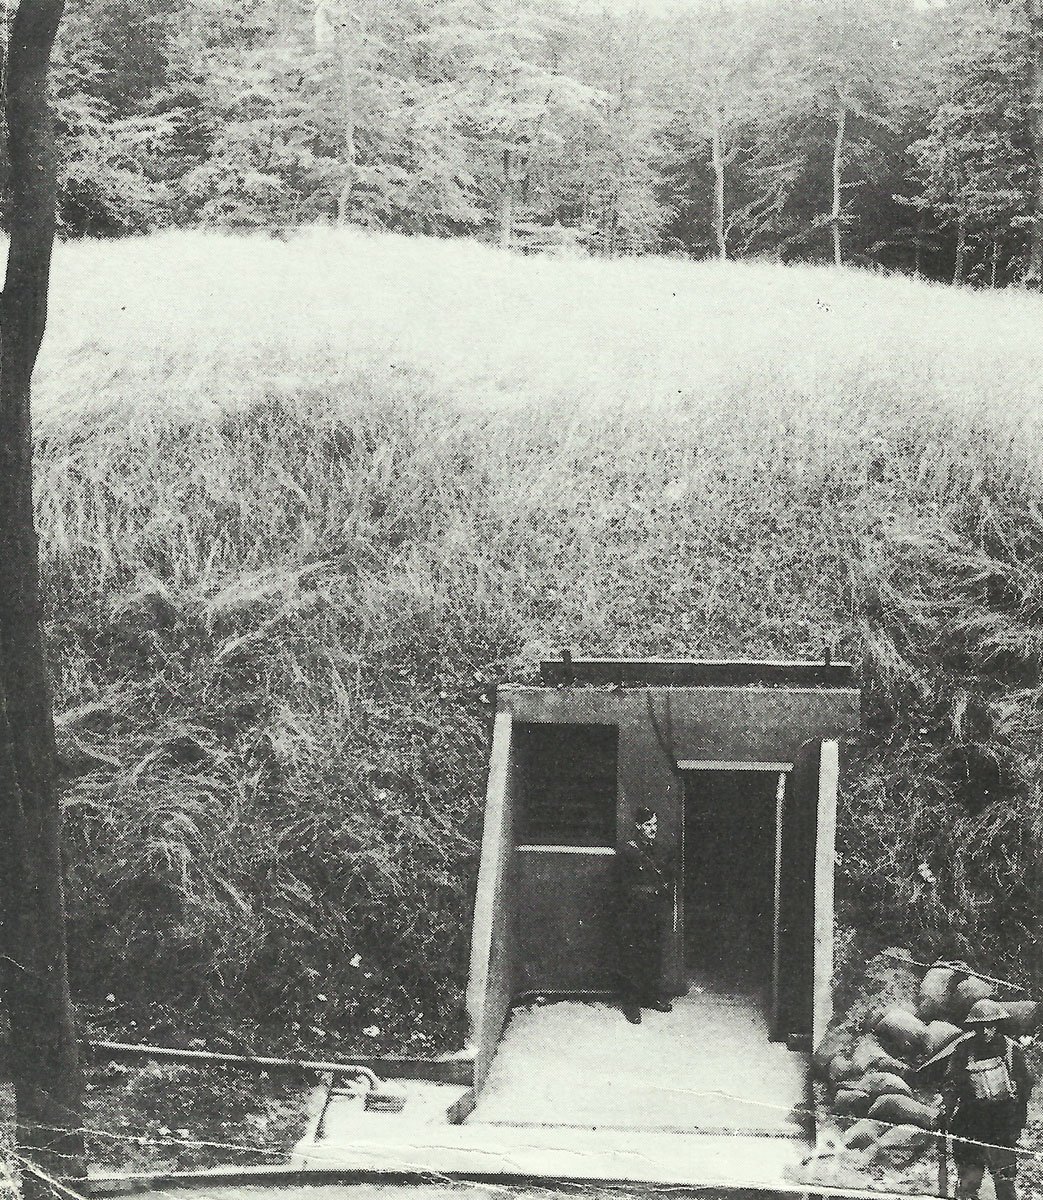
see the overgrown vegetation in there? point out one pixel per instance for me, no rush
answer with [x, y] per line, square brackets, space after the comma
[298, 522]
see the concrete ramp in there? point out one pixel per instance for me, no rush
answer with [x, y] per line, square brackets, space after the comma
[707, 1067]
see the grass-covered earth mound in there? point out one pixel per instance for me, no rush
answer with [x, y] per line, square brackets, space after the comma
[302, 504]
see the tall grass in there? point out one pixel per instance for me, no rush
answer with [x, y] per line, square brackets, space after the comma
[303, 503]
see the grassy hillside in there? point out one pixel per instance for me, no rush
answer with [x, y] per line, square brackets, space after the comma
[303, 502]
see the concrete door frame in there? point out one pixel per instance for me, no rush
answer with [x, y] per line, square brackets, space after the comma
[825, 869]
[780, 812]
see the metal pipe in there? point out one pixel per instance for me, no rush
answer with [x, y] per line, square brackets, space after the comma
[203, 1057]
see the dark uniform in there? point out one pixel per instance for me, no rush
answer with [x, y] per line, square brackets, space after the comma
[986, 1091]
[646, 895]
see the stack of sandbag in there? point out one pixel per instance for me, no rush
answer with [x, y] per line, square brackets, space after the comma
[869, 1076]
[950, 990]
[1026, 1017]
[870, 1083]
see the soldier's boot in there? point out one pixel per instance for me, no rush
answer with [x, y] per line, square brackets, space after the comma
[1006, 1188]
[631, 1011]
[1005, 1181]
[661, 1005]
[970, 1177]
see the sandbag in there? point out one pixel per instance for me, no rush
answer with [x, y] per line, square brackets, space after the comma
[901, 1145]
[1026, 1016]
[852, 1102]
[903, 1110]
[932, 1001]
[965, 995]
[913, 1136]
[883, 1083]
[840, 1068]
[901, 1033]
[869, 1053]
[939, 1035]
[862, 1134]
[833, 1042]
[894, 1066]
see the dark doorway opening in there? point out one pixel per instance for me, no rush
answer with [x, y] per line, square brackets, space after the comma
[729, 865]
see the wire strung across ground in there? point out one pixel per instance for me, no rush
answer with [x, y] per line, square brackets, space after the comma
[143, 1138]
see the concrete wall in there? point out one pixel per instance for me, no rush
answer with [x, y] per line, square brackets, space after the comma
[726, 723]
[491, 983]
[567, 902]
[566, 919]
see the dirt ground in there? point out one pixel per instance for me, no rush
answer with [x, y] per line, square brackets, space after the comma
[157, 1117]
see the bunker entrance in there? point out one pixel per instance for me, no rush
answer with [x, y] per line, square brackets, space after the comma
[729, 854]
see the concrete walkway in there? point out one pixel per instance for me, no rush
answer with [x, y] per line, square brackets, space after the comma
[698, 1096]
[525, 1162]
[637, 1156]
[706, 1067]
[431, 1189]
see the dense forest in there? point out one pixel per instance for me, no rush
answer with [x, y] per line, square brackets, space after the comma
[868, 131]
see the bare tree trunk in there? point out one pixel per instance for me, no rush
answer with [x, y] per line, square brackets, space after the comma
[836, 215]
[284, 23]
[995, 261]
[322, 26]
[350, 172]
[507, 204]
[961, 249]
[1034, 104]
[33, 964]
[717, 152]
[918, 246]
[613, 227]
[350, 124]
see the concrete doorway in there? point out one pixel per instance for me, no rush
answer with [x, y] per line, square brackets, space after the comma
[729, 893]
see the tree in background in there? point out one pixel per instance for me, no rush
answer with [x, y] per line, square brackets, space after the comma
[514, 97]
[110, 78]
[975, 162]
[606, 179]
[717, 75]
[33, 963]
[806, 128]
[247, 80]
[345, 31]
[853, 71]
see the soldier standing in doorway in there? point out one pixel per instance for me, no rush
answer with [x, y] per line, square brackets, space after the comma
[985, 1102]
[646, 892]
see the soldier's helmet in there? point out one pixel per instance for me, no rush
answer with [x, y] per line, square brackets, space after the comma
[986, 1012]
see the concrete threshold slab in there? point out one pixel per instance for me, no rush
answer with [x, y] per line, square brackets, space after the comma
[792, 1132]
[259, 1183]
[624, 1155]
[739, 1163]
